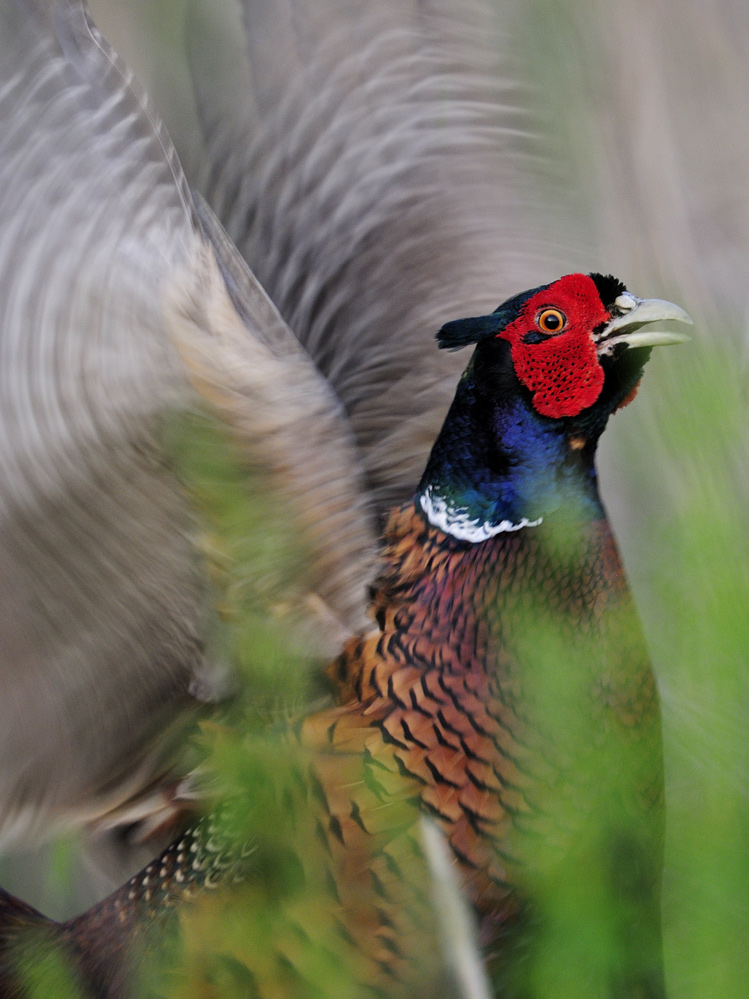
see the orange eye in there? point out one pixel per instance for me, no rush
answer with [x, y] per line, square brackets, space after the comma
[551, 321]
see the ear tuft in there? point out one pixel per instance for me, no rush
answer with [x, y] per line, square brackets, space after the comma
[462, 332]
[609, 287]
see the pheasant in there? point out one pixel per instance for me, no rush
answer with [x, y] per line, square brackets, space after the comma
[148, 234]
[505, 692]
[404, 192]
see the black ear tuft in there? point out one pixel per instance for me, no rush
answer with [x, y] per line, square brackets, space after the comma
[609, 288]
[462, 332]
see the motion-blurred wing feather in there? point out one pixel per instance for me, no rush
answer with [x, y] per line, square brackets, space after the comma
[102, 609]
[379, 179]
[286, 422]
[98, 637]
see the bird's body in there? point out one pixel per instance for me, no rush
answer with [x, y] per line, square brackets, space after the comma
[439, 717]
[504, 692]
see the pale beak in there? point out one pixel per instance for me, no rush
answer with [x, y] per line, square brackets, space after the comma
[632, 314]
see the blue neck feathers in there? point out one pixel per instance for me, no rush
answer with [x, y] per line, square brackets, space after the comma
[498, 465]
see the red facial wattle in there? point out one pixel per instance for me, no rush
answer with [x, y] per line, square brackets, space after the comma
[563, 372]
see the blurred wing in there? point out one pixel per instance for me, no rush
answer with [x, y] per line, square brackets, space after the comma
[286, 421]
[101, 591]
[98, 638]
[373, 164]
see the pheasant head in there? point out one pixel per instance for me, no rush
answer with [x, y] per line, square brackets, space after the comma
[550, 366]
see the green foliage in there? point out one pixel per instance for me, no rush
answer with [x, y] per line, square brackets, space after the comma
[694, 601]
[255, 565]
[43, 967]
